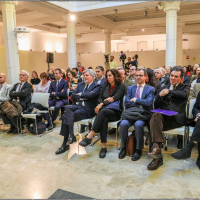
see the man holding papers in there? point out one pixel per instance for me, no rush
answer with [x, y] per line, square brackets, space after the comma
[172, 97]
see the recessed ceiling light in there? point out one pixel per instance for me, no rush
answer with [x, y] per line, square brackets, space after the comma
[72, 17]
[142, 29]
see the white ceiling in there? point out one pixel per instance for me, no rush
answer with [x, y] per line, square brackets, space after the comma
[93, 17]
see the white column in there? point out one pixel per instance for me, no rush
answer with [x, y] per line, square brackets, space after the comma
[179, 48]
[71, 41]
[107, 33]
[10, 38]
[171, 9]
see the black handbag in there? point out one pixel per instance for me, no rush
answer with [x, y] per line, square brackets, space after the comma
[136, 113]
[41, 127]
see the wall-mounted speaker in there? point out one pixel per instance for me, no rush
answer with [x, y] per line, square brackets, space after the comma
[49, 58]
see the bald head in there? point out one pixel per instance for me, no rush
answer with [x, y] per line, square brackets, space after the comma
[2, 78]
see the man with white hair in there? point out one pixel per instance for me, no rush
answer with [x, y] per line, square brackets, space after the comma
[20, 92]
[159, 77]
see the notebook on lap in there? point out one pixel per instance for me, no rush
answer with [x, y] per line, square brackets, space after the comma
[165, 112]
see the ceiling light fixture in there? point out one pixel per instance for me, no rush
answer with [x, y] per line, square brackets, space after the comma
[142, 29]
[72, 17]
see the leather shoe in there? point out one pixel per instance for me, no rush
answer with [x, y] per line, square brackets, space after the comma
[137, 155]
[155, 150]
[183, 154]
[71, 140]
[122, 153]
[50, 127]
[62, 149]
[102, 153]
[16, 131]
[54, 125]
[155, 164]
[10, 130]
[85, 142]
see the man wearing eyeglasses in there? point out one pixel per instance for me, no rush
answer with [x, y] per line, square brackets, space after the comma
[171, 97]
[132, 72]
[138, 96]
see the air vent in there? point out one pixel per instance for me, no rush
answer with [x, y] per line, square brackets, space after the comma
[184, 39]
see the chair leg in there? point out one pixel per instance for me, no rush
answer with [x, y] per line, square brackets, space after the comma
[166, 140]
[17, 126]
[116, 138]
[36, 127]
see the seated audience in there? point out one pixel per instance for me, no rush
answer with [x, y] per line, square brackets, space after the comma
[109, 108]
[85, 100]
[51, 74]
[151, 80]
[195, 90]
[72, 80]
[186, 78]
[58, 94]
[168, 71]
[35, 80]
[172, 97]
[195, 72]
[188, 71]
[80, 68]
[113, 64]
[63, 74]
[197, 78]
[140, 95]
[75, 70]
[100, 79]
[132, 72]
[159, 77]
[185, 153]
[167, 81]
[43, 86]
[20, 96]
[125, 81]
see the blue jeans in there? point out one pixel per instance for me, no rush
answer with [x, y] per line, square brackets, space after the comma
[139, 132]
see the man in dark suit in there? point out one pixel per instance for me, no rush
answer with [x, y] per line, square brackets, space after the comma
[85, 100]
[20, 92]
[100, 79]
[140, 95]
[58, 94]
[170, 97]
[185, 153]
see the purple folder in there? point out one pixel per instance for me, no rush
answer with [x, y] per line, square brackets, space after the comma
[164, 112]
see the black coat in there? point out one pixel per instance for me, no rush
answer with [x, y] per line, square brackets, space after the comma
[176, 100]
[35, 81]
[24, 95]
[186, 79]
[117, 93]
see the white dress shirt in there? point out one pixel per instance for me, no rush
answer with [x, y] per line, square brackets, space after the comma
[1, 88]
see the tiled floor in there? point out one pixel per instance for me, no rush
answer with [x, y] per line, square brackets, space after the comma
[29, 168]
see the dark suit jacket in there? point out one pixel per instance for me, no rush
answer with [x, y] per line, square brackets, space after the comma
[196, 108]
[146, 100]
[176, 100]
[164, 81]
[102, 81]
[91, 95]
[24, 95]
[62, 95]
[117, 94]
[186, 79]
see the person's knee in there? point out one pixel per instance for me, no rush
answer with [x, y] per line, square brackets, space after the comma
[139, 124]
[124, 123]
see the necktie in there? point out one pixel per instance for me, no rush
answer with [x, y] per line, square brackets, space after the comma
[174, 87]
[137, 95]
[85, 89]
[19, 89]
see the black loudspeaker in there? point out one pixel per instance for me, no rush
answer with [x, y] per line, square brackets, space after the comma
[49, 58]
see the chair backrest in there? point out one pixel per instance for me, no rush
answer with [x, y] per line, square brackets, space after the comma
[42, 98]
[68, 92]
[124, 103]
[191, 105]
[34, 86]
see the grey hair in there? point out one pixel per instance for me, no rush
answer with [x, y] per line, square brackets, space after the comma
[158, 70]
[90, 71]
[24, 71]
[162, 69]
[141, 67]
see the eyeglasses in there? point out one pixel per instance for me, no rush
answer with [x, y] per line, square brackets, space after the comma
[140, 75]
[131, 69]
